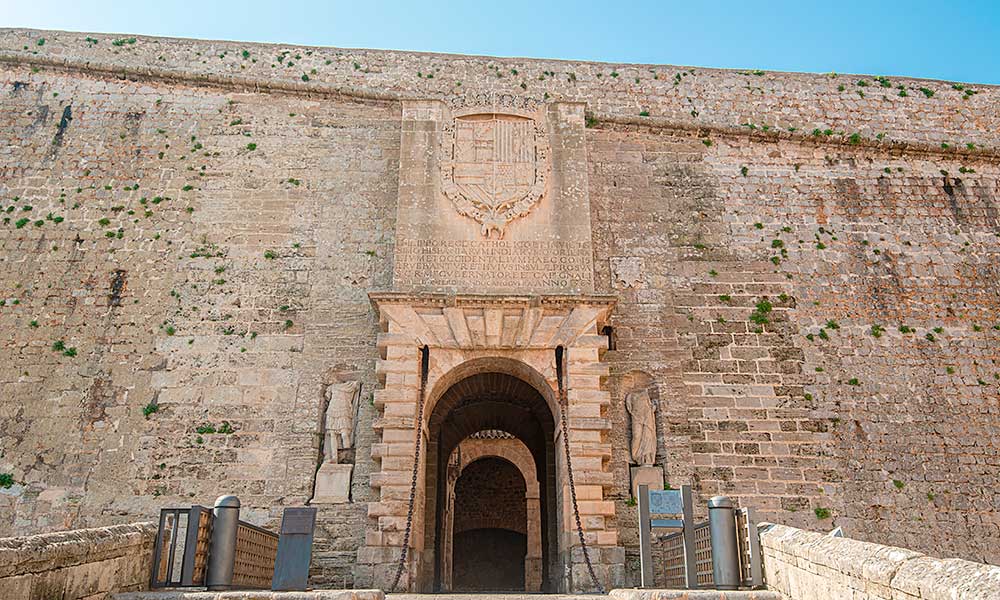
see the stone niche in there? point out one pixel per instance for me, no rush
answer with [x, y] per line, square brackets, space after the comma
[493, 198]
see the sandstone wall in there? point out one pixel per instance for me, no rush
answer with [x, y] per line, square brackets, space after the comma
[804, 565]
[827, 409]
[89, 564]
[198, 252]
[206, 221]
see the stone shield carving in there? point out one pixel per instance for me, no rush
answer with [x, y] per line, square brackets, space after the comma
[494, 168]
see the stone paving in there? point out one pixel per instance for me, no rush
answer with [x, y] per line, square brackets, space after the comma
[254, 595]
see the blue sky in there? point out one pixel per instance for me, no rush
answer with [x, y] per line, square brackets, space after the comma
[950, 40]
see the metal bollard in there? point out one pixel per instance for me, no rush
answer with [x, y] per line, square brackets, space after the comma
[725, 548]
[222, 551]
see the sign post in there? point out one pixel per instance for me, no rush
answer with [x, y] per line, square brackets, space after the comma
[291, 568]
[666, 502]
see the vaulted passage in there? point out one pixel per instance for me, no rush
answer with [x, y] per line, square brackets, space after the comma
[490, 527]
[490, 509]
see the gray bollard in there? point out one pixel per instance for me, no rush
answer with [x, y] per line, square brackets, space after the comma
[222, 550]
[725, 548]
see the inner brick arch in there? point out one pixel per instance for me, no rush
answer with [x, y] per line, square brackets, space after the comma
[487, 523]
[480, 446]
[477, 398]
[477, 484]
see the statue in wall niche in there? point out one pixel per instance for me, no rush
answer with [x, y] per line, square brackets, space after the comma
[333, 480]
[643, 424]
[341, 406]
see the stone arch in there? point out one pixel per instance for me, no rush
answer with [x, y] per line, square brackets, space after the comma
[500, 445]
[513, 450]
[488, 529]
[463, 336]
[491, 394]
[441, 383]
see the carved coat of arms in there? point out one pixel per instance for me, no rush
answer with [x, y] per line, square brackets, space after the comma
[493, 168]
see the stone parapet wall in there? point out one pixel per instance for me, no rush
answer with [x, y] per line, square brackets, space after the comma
[652, 594]
[877, 108]
[804, 565]
[85, 563]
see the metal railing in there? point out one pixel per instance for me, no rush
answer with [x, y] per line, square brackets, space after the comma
[703, 555]
[673, 546]
[180, 553]
[256, 550]
[738, 552]
[198, 547]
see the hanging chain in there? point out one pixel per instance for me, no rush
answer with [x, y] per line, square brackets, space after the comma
[416, 468]
[564, 408]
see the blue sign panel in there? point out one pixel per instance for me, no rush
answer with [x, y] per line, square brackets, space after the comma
[665, 502]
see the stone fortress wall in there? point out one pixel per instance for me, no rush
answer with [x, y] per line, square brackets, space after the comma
[805, 267]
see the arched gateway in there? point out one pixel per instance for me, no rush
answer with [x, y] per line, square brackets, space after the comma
[518, 390]
[491, 360]
[492, 492]
[500, 416]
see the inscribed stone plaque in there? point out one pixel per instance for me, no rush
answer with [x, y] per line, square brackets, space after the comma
[493, 198]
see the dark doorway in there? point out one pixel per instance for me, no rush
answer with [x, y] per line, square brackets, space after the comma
[490, 541]
[489, 560]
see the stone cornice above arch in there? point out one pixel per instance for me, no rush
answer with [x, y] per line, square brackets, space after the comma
[492, 321]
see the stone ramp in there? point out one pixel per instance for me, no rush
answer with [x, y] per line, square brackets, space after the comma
[495, 596]
[629, 594]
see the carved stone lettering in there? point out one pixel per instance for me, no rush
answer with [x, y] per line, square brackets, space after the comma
[516, 265]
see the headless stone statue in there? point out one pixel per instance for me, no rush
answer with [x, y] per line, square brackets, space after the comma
[643, 442]
[342, 403]
[333, 480]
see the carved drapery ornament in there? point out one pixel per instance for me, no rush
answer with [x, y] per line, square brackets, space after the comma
[494, 167]
[642, 444]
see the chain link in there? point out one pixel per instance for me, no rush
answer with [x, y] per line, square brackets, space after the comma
[416, 469]
[564, 408]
